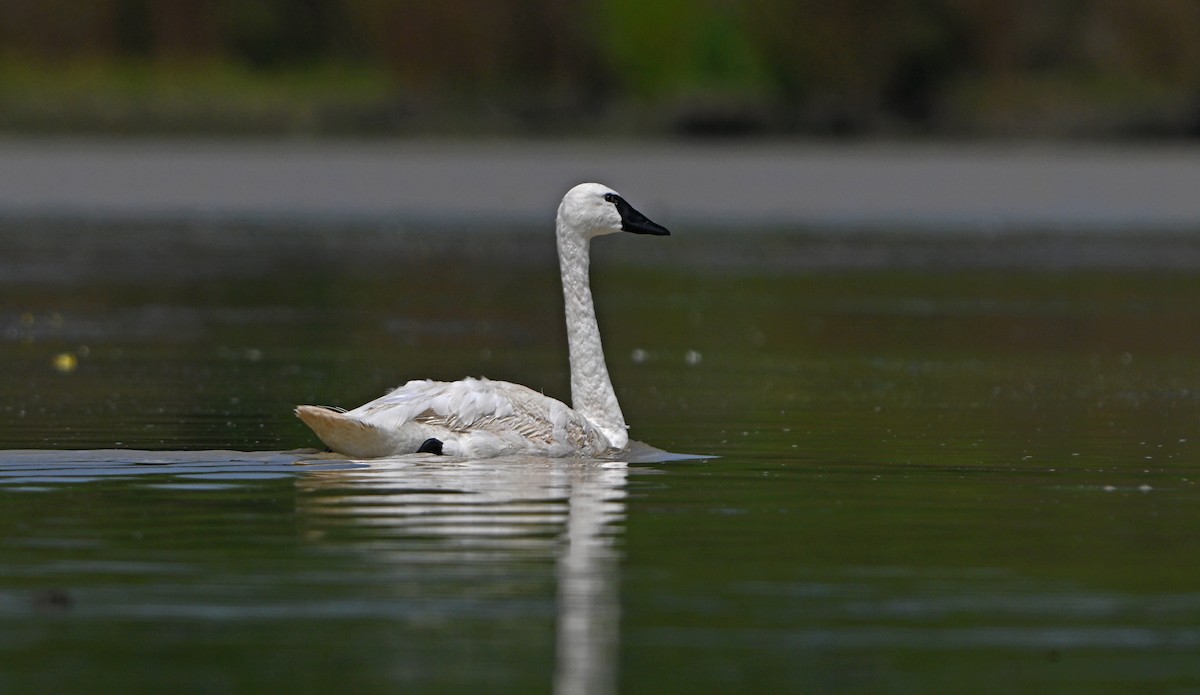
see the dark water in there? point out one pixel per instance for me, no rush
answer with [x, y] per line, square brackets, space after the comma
[944, 466]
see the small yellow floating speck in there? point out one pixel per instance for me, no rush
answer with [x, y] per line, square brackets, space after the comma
[65, 362]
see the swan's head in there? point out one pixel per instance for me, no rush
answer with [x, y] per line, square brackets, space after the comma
[591, 209]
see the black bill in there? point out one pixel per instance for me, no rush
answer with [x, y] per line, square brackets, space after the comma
[636, 222]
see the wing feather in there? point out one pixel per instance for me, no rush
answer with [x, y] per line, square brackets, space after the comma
[473, 406]
[461, 406]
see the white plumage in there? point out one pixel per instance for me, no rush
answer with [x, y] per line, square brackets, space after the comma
[479, 418]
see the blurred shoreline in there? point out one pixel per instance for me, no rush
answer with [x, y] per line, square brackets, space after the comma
[941, 187]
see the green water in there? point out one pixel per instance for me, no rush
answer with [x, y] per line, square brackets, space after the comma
[933, 475]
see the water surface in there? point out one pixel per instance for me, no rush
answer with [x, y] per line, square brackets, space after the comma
[944, 465]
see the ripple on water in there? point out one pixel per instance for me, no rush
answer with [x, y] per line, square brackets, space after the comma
[40, 470]
[36, 470]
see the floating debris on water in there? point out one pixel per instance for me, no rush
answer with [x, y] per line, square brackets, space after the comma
[65, 362]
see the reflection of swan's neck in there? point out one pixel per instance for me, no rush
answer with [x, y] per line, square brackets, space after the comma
[589, 604]
[592, 393]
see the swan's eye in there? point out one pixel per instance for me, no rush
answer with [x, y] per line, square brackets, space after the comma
[611, 197]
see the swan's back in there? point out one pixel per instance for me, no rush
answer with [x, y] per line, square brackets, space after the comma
[472, 417]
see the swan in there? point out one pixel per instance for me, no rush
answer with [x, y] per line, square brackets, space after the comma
[480, 418]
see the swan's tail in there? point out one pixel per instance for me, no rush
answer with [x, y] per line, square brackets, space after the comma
[342, 433]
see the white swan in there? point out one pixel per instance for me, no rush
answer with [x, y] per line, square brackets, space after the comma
[480, 418]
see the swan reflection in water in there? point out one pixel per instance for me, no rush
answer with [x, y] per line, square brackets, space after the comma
[493, 516]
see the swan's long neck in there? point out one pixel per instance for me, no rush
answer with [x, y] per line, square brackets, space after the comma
[592, 393]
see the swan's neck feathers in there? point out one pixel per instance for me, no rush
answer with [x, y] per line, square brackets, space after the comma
[592, 393]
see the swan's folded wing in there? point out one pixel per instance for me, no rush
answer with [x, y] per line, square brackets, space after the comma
[461, 406]
[400, 406]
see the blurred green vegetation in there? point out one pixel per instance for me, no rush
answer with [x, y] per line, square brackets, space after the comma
[714, 67]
